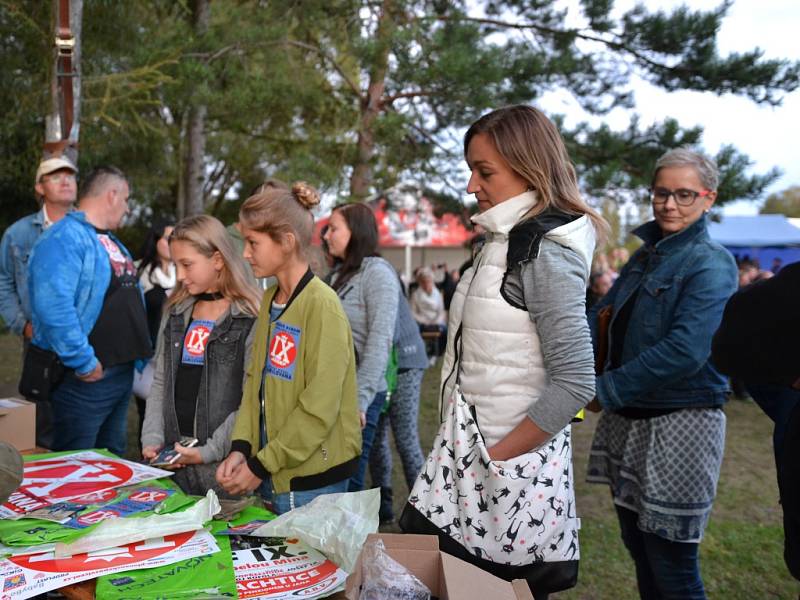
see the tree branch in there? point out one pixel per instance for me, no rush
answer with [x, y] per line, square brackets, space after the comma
[614, 45]
[324, 55]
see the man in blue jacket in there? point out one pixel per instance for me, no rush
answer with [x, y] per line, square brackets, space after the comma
[56, 189]
[87, 307]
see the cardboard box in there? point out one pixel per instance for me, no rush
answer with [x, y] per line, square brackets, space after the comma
[448, 577]
[18, 423]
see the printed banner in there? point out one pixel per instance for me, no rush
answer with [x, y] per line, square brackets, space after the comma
[278, 568]
[54, 480]
[208, 576]
[27, 576]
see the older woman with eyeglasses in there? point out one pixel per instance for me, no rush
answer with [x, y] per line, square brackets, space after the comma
[660, 440]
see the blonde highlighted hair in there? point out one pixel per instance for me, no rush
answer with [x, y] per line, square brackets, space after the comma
[278, 211]
[207, 235]
[532, 146]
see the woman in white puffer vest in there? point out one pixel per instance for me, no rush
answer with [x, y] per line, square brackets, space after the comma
[497, 486]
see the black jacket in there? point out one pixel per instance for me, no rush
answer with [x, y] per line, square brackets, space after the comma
[759, 337]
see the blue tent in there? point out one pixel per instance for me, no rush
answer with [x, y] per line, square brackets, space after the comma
[762, 237]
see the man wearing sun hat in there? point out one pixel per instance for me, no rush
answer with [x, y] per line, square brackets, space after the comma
[56, 189]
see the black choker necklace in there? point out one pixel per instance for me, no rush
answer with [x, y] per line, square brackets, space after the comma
[208, 296]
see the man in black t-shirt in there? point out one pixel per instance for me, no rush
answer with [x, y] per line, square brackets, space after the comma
[88, 308]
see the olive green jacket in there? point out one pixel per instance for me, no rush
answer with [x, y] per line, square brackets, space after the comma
[306, 358]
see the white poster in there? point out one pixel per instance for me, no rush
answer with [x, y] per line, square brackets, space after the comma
[278, 568]
[51, 480]
[26, 576]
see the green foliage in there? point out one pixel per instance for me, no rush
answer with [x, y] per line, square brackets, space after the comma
[285, 85]
[786, 203]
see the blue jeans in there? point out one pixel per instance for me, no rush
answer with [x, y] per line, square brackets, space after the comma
[283, 503]
[665, 570]
[93, 415]
[367, 437]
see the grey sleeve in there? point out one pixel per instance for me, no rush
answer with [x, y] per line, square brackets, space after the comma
[218, 445]
[381, 293]
[153, 426]
[554, 286]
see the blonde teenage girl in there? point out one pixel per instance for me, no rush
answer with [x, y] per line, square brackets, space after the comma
[201, 353]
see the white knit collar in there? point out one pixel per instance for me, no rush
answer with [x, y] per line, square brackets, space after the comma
[502, 217]
[165, 280]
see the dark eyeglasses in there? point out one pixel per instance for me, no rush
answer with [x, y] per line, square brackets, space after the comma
[682, 196]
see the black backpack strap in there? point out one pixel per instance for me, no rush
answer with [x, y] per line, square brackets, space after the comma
[525, 239]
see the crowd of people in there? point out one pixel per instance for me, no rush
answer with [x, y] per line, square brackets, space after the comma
[289, 392]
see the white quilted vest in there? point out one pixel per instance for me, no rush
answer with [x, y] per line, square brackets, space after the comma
[502, 369]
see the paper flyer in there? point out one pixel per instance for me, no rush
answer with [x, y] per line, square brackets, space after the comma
[31, 575]
[278, 568]
[54, 480]
[244, 528]
[134, 501]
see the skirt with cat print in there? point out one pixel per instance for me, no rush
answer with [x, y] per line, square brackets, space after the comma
[513, 512]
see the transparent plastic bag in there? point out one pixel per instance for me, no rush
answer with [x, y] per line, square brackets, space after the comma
[335, 524]
[383, 578]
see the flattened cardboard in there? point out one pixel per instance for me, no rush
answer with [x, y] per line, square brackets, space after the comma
[18, 423]
[448, 577]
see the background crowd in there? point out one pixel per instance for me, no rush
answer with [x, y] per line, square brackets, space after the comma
[273, 367]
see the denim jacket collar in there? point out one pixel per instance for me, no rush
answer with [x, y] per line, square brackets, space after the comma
[650, 234]
[38, 219]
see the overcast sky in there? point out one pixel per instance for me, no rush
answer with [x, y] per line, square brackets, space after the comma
[770, 136]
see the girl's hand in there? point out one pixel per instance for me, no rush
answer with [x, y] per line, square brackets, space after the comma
[228, 467]
[242, 482]
[189, 456]
[362, 416]
[150, 452]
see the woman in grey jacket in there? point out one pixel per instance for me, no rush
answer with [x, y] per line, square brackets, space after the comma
[368, 287]
[403, 413]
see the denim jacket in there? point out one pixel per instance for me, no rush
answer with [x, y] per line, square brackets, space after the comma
[682, 281]
[15, 249]
[68, 276]
[227, 353]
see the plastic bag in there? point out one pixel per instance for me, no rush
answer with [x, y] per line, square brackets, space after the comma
[335, 524]
[118, 532]
[31, 532]
[384, 578]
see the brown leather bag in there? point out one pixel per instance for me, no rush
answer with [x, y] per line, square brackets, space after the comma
[603, 324]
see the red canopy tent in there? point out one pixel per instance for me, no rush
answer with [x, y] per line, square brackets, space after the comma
[418, 228]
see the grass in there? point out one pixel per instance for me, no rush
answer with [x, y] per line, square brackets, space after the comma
[741, 555]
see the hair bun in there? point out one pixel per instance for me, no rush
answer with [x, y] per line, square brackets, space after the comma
[305, 194]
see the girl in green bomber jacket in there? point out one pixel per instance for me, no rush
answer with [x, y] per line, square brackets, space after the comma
[297, 434]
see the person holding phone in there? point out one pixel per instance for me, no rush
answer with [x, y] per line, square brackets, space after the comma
[201, 353]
